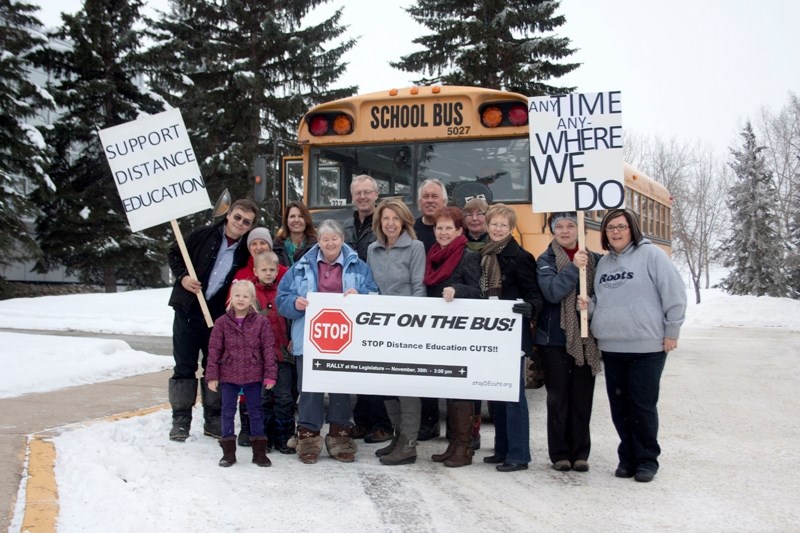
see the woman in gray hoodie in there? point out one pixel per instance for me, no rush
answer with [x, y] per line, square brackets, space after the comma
[639, 306]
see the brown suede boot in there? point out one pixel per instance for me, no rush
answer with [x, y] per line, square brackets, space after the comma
[260, 451]
[340, 444]
[228, 445]
[308, 444]
[451, 445]
[462, 433]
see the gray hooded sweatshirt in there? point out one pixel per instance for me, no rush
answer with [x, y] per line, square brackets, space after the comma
[639, 299]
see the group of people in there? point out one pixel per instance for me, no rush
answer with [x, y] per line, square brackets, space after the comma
[258, 295]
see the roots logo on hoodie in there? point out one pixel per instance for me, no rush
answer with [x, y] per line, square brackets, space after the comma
[615, 278]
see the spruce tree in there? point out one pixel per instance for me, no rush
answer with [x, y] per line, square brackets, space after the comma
[24, 154]
[243, 72]
[498, 44]
[83, 225]
[754, 250]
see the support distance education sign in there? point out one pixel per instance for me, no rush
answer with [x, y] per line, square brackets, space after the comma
[576, 152]
[426, 347]
[155, 169]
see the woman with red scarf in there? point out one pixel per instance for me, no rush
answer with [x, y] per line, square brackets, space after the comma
[452, 270]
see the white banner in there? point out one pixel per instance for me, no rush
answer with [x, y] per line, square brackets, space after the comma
[576, 152]
[404, 346]
[155, 169]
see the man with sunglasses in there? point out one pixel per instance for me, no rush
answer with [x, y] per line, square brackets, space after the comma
[217, 252]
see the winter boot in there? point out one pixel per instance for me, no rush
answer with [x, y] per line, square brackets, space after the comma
[244, 432]
[476, 432]
[461, 427]
[284, 427]
[260, 451]
[182, 395]
[340, 444]
[308, 444]
[228, 445]
[393, 411]
[404, 452]
[212, 407]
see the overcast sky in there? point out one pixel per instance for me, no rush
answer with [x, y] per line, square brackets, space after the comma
[693, 70]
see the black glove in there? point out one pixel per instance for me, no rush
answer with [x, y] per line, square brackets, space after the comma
[523, 308]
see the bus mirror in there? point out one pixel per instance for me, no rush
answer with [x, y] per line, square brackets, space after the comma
[222, 204]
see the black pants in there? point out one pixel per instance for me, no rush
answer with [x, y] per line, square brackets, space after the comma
[370, 413]
[190, 336]
[633, 383]
[570, 391]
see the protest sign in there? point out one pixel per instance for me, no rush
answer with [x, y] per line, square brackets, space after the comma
[396, 345]
[576, 152]
[155, 170]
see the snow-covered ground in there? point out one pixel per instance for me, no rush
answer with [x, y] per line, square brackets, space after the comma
[729, 434]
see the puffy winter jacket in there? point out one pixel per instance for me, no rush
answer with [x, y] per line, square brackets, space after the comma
[302, 279]
[241, 354]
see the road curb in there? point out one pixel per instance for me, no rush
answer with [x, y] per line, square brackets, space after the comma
[41, 491]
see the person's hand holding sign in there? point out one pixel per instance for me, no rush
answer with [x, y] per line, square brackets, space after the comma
[300, 303]
[191, 284]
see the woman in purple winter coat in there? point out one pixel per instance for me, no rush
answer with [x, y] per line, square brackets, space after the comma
[241, 357]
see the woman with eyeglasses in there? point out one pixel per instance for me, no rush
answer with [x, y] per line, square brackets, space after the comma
[570, 362]
[296, 235]
[637, 310]
[475, 220]
[453, 271]
[508, 272]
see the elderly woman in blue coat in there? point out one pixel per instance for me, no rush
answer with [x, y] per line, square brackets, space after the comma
[330, 266]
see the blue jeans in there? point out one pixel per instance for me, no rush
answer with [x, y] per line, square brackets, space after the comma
[632, 383]
[512, 438]
[311, 411]
[230, 400]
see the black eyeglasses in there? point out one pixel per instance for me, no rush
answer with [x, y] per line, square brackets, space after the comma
[244, 221]
[619, 227]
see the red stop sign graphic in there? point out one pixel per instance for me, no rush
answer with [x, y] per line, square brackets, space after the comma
[331, 331]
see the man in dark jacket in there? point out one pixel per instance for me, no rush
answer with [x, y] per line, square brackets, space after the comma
[431, 198]
[369, 414]
[216, 252]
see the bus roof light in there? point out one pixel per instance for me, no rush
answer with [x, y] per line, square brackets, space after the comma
[342, 125]
[318, 125]
[518, 115]
[492, 116]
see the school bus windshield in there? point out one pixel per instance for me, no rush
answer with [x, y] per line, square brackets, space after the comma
[500, 164]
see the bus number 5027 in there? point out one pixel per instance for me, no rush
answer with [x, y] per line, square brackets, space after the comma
[458, 130]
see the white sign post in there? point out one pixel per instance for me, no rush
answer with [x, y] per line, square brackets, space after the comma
[157, 176]
[576, 158]
[426, 347]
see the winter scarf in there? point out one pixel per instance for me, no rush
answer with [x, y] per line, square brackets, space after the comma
[291, 248]
[582, 349]
[441, 262]
[491, 279]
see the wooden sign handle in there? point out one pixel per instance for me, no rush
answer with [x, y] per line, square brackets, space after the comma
[190, 267]
[582, 276]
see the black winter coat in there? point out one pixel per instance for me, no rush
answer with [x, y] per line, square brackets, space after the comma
[202, 245]
[518, 273]
[465, 279]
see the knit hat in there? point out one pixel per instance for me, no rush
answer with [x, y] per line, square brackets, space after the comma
[568, 215]
[259, 233]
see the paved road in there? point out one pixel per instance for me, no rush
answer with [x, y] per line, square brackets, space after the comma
[34, 413]
[154, 345]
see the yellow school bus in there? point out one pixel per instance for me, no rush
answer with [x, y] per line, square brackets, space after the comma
[469, 138]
